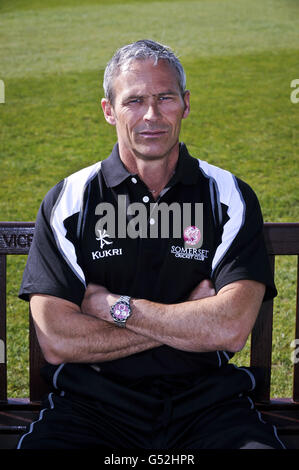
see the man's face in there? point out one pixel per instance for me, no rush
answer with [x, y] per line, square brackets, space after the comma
[147, 110]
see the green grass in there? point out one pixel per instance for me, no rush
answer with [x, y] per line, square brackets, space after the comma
[240, 58]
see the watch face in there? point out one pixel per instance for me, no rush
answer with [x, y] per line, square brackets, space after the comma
[121, 311]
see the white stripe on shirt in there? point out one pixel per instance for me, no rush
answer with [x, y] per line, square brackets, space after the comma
[68, 203]
[230, 195]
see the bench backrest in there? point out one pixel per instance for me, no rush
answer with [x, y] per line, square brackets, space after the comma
[281, 239]
[15, 239]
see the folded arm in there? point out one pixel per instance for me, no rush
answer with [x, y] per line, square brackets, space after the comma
[220, 322]
[65, 334]
[68, 333]
[206, 322]
[201, 324]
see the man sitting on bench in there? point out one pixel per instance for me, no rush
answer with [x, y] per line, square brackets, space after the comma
[145, 276]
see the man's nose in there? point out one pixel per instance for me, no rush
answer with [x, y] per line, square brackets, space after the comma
[152, 112]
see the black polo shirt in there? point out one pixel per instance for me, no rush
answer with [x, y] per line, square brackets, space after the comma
[102, 225]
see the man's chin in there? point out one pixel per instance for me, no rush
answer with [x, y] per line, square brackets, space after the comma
[152, 152]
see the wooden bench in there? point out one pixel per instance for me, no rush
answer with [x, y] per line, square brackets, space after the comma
[15, 414]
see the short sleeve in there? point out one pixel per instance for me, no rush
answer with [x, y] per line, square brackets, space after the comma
[244, 255]
[48, 269]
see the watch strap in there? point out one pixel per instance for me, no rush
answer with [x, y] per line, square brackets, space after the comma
[124, 298]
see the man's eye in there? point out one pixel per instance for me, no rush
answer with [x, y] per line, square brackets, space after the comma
[136, 100]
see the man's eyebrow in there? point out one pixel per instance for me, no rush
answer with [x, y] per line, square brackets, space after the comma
[140, 96]
[132, 97]
[168, 92]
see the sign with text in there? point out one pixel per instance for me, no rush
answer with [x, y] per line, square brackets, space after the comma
[16, 240]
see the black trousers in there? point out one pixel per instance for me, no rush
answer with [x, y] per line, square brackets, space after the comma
[89, 410]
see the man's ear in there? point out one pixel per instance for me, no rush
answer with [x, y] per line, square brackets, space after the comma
[108, 111]
[186, 99]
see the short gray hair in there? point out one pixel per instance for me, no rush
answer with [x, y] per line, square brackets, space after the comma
[141, 50]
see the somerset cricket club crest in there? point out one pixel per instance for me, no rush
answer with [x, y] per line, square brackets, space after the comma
[192, 235]
[193, 239]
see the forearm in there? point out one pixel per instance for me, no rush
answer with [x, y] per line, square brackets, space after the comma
[220, 322]
[191, 326]
[67, 335]
[97, 341]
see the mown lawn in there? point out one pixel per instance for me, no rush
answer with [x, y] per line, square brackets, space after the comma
[240, 58]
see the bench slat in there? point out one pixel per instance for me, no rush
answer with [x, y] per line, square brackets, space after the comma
[16, 237]
[296, 362]
[261, 344]
[37, 386]
[3, 369]
[282, 238]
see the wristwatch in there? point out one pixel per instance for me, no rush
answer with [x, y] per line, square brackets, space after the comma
[121, 310]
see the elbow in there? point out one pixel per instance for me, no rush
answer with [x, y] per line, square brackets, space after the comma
[235, 346]
[50, 346]
[236, 341]
[53, 360]
[51, 354]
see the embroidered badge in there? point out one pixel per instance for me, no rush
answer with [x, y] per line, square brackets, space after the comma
[192, 235]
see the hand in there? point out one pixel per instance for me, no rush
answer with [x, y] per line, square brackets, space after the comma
[97, 301]
[204, 289]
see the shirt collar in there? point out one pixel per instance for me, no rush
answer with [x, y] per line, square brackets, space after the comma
[186, 171]
[114, 171]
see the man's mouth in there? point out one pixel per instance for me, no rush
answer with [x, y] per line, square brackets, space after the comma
[152, 134]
